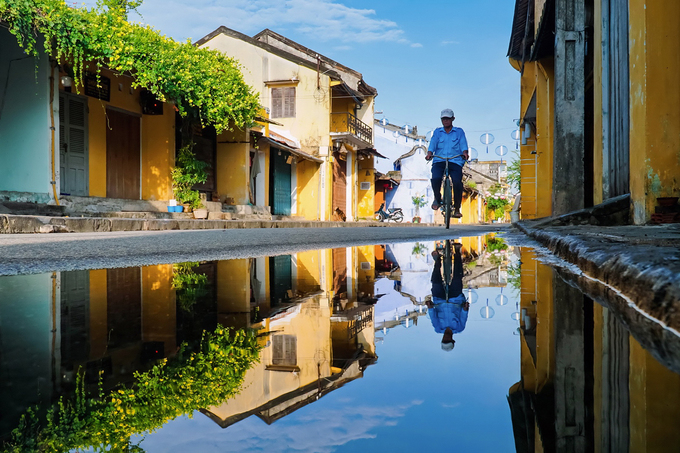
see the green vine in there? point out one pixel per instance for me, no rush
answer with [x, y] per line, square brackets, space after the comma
[189, 285]
[189, 381]
[202, 83]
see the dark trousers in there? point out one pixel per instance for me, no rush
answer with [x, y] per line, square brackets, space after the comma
[456, 283]
[456, 174]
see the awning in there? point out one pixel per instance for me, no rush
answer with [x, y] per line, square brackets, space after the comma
[285, 147]
[371, 152]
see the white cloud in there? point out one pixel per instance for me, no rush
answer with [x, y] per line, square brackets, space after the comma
[343, 48]
[447, 43]
[416, 44]
[325, 20]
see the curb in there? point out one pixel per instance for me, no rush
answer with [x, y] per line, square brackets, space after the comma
[18, 224]
[648, 279]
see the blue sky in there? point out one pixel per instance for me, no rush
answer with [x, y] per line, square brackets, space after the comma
[421, 56]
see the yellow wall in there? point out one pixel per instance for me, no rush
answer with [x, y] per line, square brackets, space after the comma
[159, 317]
[654, 391]
[366, 277]
[308, 271]
[99, 340]
[312, 105]
[232, 175]
[310, 324]
[233, 295]
[655, 119]
[366, 198]
[157, 140]
[158, 154]
[308, 189]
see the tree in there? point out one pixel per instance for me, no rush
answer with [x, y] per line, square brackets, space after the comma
[515, 172]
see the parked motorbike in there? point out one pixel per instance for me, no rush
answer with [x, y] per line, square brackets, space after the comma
[394, 214]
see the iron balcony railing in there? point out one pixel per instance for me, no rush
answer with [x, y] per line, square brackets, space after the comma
[346, 122]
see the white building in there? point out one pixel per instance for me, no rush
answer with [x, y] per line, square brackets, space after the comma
[405, 151]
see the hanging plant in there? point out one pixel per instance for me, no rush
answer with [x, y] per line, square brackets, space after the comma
[202, 83]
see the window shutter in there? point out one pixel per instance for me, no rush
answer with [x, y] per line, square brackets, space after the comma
[289, 102]
[277, 103]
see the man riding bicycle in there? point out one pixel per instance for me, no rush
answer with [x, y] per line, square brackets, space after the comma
[448, 141]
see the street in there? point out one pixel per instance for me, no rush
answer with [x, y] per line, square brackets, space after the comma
[36, 253]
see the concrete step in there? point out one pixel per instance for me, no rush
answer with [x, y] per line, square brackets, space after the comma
[25, 208]
[139, 215]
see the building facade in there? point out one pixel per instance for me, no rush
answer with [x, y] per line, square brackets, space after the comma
[598, 104]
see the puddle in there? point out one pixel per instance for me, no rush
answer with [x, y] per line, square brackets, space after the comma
[350, 349]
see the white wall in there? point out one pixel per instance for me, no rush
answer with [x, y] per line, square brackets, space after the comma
[415, 172]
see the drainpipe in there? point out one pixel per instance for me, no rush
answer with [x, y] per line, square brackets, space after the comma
[53, 182]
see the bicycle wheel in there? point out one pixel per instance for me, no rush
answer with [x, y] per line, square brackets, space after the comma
[447, 201]
[448, 265]
[398, 217]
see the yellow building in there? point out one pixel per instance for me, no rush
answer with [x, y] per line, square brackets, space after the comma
[611, 395]
[314, 157]
[598, 89]
[60, 140]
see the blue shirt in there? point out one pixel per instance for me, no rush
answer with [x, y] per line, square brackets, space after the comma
[448, 314]
[448, 145]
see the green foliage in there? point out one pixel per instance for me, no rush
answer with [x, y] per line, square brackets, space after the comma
[515, 276]
[471, 184]
[191, 380]
[189, 285]
[188, 172]
[419, 249]
[202, 83]
[418, 201]
[515, 173]
[494, 244]
[497, 202]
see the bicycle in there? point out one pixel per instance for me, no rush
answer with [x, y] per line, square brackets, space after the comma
[395, 214]
[448, 189]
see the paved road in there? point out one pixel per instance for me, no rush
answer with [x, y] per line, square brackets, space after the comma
[35, 253]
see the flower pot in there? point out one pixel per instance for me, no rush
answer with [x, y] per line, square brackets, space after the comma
[200, 213]
[178, 209]
[187, 207]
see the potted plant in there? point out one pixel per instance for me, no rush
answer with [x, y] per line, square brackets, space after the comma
[418, 202]
[188, 172]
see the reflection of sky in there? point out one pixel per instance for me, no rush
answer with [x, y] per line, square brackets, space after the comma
[416, 397]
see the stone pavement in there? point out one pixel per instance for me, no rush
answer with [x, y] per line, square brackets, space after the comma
[634, 270]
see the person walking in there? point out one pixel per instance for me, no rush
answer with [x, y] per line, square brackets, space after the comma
[448, 141]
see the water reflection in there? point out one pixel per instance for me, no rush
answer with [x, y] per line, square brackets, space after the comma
[586, 383]
[318, 321]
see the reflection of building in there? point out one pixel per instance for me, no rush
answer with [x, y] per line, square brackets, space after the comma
[313, 345]
[119, 321]
[585, 381]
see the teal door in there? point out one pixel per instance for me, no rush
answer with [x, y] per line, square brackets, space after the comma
[280, 183]
[280, 275]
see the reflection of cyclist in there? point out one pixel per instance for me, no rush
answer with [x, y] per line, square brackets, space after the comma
[448, 316]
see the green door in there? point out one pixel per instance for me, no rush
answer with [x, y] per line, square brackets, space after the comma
[280, 183]
[280, 278]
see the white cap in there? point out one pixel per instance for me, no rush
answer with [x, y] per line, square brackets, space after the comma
[447, 346]
[447, 113]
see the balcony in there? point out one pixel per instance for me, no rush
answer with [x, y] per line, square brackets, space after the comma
[345, 126]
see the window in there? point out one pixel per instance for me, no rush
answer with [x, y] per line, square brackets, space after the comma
[283, 102]
[284, 350]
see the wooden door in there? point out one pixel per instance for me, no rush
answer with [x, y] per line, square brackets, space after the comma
[122, 155]
[124, 306]
[339, 182]
[616, 99]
